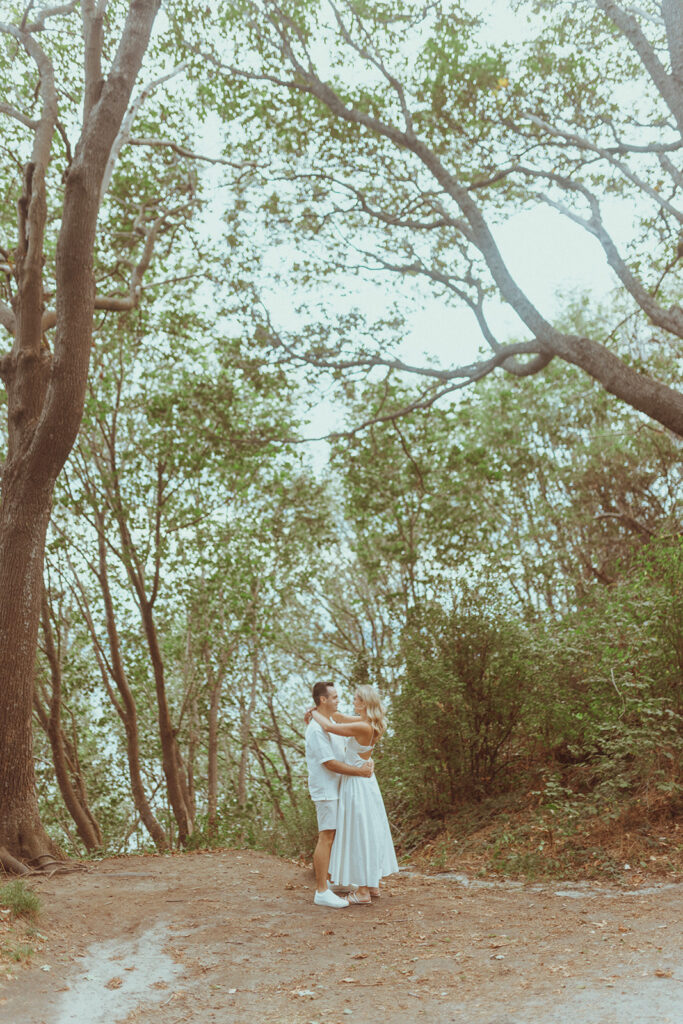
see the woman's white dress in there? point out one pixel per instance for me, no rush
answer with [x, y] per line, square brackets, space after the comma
[363, 851]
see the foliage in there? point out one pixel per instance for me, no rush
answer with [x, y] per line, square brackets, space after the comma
[617, 682]
[468, 679]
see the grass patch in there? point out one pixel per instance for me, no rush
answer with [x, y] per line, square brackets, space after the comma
[19, 953]
[20, 900]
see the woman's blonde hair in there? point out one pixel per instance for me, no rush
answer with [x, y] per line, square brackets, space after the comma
[374, 708]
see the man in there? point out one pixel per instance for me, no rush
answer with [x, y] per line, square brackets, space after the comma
[325, 759]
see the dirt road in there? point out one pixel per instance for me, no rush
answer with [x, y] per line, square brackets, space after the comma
[233, 936]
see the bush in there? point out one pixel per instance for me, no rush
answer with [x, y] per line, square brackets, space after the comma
[468, 678]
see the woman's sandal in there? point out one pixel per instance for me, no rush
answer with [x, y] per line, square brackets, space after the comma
[357, 901]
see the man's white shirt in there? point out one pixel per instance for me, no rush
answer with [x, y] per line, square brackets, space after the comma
[322, 746]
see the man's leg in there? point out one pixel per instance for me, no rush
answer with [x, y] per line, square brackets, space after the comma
[326, 811]
[321, 857]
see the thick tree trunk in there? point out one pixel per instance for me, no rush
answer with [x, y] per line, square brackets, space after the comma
[24, 514]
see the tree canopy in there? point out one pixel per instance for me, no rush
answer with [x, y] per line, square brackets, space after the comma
[414, 135]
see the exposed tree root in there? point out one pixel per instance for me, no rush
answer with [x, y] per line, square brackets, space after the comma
[45, 864]
[51, 867]
[11, 865]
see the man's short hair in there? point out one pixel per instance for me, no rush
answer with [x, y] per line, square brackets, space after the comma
[320, 690]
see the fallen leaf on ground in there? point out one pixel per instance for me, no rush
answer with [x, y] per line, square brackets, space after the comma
[661, 972]
[114, 983]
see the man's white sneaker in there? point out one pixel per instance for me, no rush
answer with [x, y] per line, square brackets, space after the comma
[329, 899]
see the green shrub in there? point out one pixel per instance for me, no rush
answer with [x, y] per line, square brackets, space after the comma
[615, 706]
[468, 679]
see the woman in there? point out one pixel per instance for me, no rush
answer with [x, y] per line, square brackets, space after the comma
[362, 852]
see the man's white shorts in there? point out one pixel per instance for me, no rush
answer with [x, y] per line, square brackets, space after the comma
[327, 814]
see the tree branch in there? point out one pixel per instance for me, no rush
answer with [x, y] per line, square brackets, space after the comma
[7, 318]
[469, 371]
[50, 12]
[645, 15]
[480, 233]
[671, 319]
[397, 219]
[666, 84]
[376, 62]
[93, 36]
[7, 108]
[655, 399]
[672, 12]
[182, 151]
[33, 203]
[127, 123]
[583, 143]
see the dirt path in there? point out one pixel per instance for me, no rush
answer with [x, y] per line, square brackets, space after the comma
[233, 936]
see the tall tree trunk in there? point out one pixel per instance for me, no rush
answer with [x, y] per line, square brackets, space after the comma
[126, 708]
[215, 680]
[245, 727]
[45, 395]
[172, 762]
[261, 758]
[283, 754]
[190, 700]
[215, 686]
[74, 796]
[192, 756]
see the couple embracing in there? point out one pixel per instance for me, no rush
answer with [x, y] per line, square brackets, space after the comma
[354, 846]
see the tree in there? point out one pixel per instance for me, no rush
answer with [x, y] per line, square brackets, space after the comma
[46, 384]
[416, 131]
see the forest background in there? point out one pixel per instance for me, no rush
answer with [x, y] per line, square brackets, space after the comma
[495, 538]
